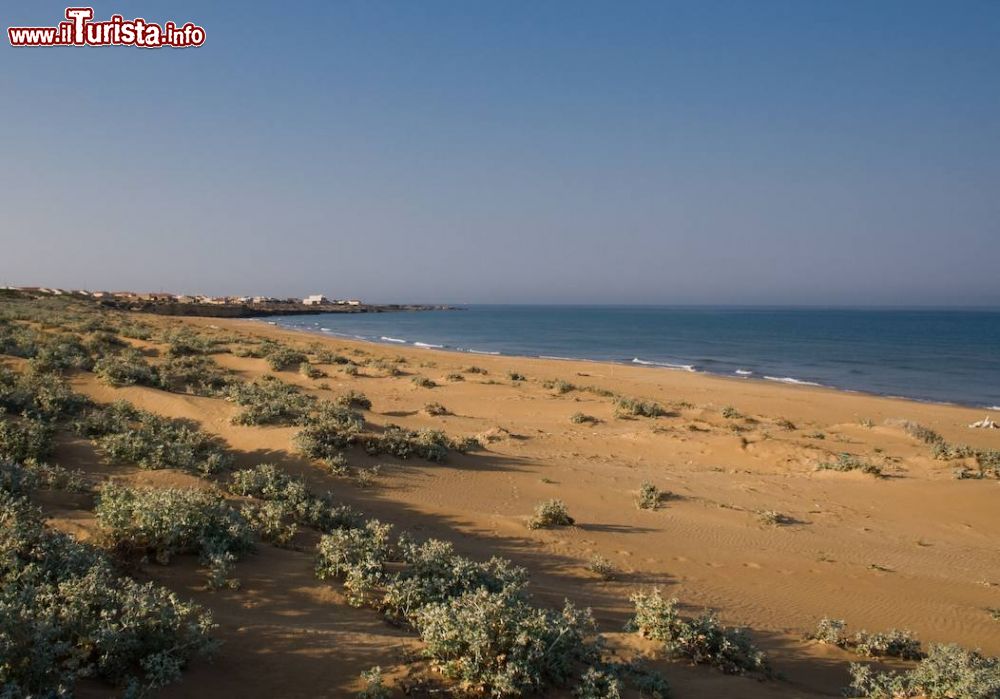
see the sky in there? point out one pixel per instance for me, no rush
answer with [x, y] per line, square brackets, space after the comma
[510, 151]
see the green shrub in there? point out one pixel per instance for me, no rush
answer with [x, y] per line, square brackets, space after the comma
[731, 413]
[830, 631]
[581, 418]
[436, 410]
[126, 369]
[551, 513]
[894, 643]
[270, 401]
[454, 376]
[701, 640]
[332, 429]
[497, 643]
[772, 518]
[289, 498]
[635, 407]
[432, 572]
[358, 556]
[281, 358]
[431, 445]
[25, 440]
[354, 399]
[310, 371]
[924, 434]
[52, 477]
[423, 382]
[185, 343]
[602, 567]
[374, 685]
[38, 395]
[351, 369]
[152, 442]
[649, 497]
[475, 370]
[850, 462]
[60, 352]
[559, 386]
[170, 521]
[516, 376]
[197, 374]
[65, 614]
[948, 672]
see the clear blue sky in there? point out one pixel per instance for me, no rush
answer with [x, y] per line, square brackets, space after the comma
[838, 152]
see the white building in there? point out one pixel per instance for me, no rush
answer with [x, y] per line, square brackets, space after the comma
[315, 300]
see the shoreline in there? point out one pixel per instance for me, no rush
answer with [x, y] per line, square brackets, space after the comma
[787, 381]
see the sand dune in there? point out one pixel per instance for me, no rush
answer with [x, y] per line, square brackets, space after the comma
[915, 550]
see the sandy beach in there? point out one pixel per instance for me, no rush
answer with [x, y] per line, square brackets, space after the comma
[914, 549]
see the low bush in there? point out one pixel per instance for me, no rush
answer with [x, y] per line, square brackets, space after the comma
[358, 556]
[270, 401]
[649, 497]
[731, 413]
[151, 441]
[516, 376]
[582, 419]
[292, 497]
[431, 445]
[850, 462]
[635, 407]
[126, 369]
[559, 386]
[170, 521]
[423, 382]
[924, 434]
[60, 352]
[947, 672]
[602, 567]
[436, 410]
[702, 640]
[893, 643]
[331, 430]
[39, 395]
[197, 374]
[281, 358]
[185, 343]
[25, 440]
[21, 479]
[354, 399]
[374, 685]
[310, 371]
[475, 370]
[498, 644]
[551, 513]
[65, 614]
[772, 518]
[454, 376]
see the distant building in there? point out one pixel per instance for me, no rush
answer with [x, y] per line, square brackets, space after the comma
[354, 302]
[315, 300]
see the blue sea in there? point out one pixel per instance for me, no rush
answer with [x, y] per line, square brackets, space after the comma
[950, 356]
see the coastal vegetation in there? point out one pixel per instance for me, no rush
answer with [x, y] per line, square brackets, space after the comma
[71, 610]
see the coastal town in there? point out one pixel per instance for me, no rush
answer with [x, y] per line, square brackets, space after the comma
[164, 303]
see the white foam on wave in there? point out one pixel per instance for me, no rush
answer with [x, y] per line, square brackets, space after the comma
[743, 372]
[427, 345]
[392, 339]
[993, 407]
[789, 379]
[475, 351]
[665, 365]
